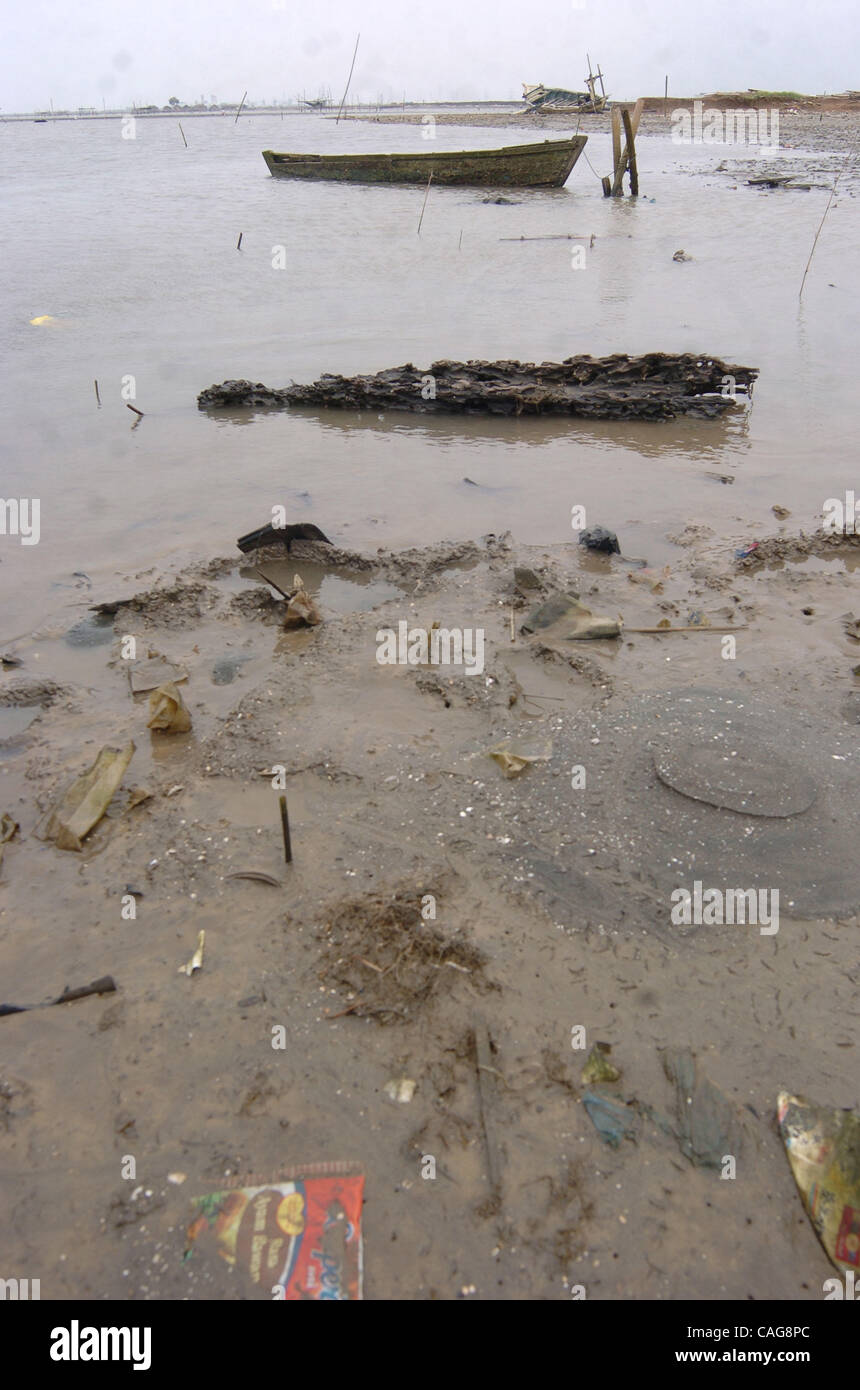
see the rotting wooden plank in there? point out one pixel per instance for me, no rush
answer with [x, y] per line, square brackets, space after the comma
[631, 153]
[616, 136]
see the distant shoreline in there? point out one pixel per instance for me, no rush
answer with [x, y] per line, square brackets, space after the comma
[402, 111]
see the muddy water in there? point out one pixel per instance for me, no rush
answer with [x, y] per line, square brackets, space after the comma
[130, 245]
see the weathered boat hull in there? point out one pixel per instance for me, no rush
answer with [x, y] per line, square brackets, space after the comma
[544, 165]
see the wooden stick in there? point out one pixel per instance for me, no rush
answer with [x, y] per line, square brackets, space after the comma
[239, 242]
[182, 133]
[134, 408]
[820, 225]
[239, 112]
[285, 827]
[631, 153]
[486, 1091]
[424, 204]
[694, 627]
[348, 80]
[556, 236]
[98, 397]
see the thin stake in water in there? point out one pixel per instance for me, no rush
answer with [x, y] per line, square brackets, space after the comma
[424, 204]
[98, 397]
[285, 827]
[239, 242]
[182, 133]
[239, 112]
[348, 80]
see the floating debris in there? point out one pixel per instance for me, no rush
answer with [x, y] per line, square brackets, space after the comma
[657, 386]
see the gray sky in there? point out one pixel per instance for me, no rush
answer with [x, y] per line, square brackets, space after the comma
[78, 52]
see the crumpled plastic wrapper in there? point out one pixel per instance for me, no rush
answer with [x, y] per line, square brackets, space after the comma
[168, 711]
[301, 609]
[823, 1148]
[514, 757]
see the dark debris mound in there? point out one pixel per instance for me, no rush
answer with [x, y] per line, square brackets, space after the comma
[656, 386]
[387, 961]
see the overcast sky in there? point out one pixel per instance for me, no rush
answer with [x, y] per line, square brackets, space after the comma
[79, 52]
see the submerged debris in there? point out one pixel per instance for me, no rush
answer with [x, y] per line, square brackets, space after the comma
[654, 386]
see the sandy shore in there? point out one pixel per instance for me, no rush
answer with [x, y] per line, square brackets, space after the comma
[548, 916]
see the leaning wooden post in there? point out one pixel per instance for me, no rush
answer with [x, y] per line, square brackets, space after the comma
[631, 153]
[616, 137]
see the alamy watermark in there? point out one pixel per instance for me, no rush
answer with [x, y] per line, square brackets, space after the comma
[716, 907]
[842, 516]
[436, 646]
[19, 516]
[737, 125]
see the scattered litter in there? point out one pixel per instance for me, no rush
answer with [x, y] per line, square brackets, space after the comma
[562, 618]
[302, 1234]
[598, 538]
[8, 827]
[7, 659]
[280, 535]
[177, 1178]
[301, 609]
[598, 1067]
[823, 1148]
[135, 892]
[401, 1089]
[168, 711]
[780, 512]
[514, 758]
[707, 1121]
[256, 876]
[148, 675]
[681, 256]
[174, 791]
[86, 801]
[196, 961]
[612, 1119]
[746, 550]
[136, 796]
[104, 985]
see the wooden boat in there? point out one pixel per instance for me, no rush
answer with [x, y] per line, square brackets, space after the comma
[543, 165]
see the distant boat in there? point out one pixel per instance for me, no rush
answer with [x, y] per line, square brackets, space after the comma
[541, 98]
[544, 165]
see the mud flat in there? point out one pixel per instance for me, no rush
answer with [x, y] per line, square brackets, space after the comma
[433, 903]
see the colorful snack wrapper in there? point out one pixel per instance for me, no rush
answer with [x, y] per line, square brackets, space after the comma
[823, 1147]
[298, 1238]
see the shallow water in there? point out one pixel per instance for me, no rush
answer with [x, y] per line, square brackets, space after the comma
[130, 245]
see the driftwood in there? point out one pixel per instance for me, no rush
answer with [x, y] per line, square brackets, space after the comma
[656, 386]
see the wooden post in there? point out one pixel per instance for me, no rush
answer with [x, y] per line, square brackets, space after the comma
[631, 125]
[631, 152]
[616, 137]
